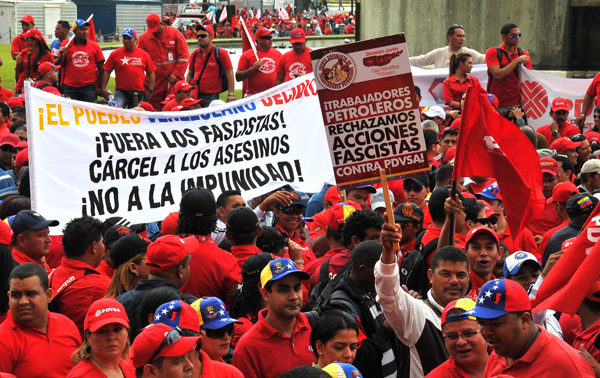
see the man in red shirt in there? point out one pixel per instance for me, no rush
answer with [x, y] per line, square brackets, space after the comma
[503, 74]
[262, 73]
[282, 330]
[565, 146]
[48, 78]
[31, 239]
[560, 195]
[242, 231]
[483, 250]
[586, 333]
[205, 71]
[134, 72]
[560, 127]
[35, 342]
[169, 52]
[294, 63]
[213, 271]
[182, 91]
[548, 219]
[520, 347]
[77, 280]
[18, 43]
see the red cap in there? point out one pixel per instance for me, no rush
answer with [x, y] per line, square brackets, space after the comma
[168, 225]
[567, 243]
[465, 304]
[182, 86]
[146, 106]
[337, 215]
[297, 36]
[105, 311]
[178, 108]
[14, 101]
[560, 103]
[481, 230]
[262, 32]
[153, 21]
[10, 139]
[27, 18]
[152, 337]
[22, 144]
[190, 101]
[592, 136]
[562, 144]
[206, 28]
[22, 158]
[6, 233]
[34, 33]
[549, 165]
[166, 252]
[488, 210]
[332, 195]
[168, 98]
[562, 192]
[46, 67]
[450, 153]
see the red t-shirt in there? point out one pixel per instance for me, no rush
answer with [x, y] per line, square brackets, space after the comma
[506, 90]
[293, 65]
[240, 330]
[434, 232]
[29, 352]
[587, 338]
[47, 88]
[526, 242]
[18, 44]
[243, 252]
[88, 369]
[453, 88]
[215, 369]
[314, 268]
[105, 269]
[5, 94]
[211, 81]
[131, 68]
[264, 352]
[507, 239]
[548, 219]
[79, 68]
[566, 131]
[170, 105]
[592, 90]
[448, 369]
[33, 71]
[265, 77]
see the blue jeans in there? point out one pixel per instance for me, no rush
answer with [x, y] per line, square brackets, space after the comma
[208, 98]
[125, 98]
[86, 93]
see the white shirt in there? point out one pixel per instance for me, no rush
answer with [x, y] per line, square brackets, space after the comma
[440, 58]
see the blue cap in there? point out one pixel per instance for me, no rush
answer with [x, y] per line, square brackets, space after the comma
[514, 262]
[113, 103]
[213, 314]
[30, 220]
[307, 219]
[129, 32]
[498, 298]
[177, 314]
[342, 370]
[370, 188]
[491, 192]
[280, 268]
[79, 23]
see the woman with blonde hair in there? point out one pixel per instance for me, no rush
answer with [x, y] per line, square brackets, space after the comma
[105, 348]
[128, 255]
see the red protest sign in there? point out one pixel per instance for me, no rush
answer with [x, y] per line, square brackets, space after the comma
[370, 110]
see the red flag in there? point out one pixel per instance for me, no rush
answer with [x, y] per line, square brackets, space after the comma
[247, 43]
[491, 146]
[234, 23]
[574, 273]
[91, 31]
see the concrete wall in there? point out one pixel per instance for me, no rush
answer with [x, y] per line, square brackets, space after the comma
[545, 24]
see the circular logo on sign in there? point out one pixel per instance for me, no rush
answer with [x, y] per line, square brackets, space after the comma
[268, 65]
[534, 99]
[296, 70]
[336, 71]
[80, 59]
[98, 313]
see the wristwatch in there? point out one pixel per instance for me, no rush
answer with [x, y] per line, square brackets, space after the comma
[231, 94]
[554, 133]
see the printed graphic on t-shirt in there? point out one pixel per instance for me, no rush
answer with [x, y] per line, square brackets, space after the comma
[131, 61]
[268, 65]
[80, 59]
[296, 70]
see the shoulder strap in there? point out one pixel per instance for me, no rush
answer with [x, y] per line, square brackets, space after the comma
[429, 248]
[438, 313]
[490, 77]
[218, 59]
[202, 72]
[193, 65]
[324, 271]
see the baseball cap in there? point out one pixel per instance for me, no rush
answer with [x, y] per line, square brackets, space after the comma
[481, 230]
[280, 268]
[27, 18]
[182, 86]
[562, 192]
[255, 264]
[212, 313]
[491, 192]
[168, 98]
[242, 220]
[431, 137]
[166, 252]
[10, 139]
[337, 215]
[34, 33]
[206, 28]
[408, 212]
[560, 103]
[129, 246]
[262, 32]
[47, 67]
[493, 100]
[146, 106]
[295, 199]
[590, 166]
[438, 196]
[151, 338]
[488, 210]
[115, 233]
[369, 188]
[562, 144]
[14, 101]
[332, 195]
[177, 314]
[378, 199]
[190, 101]
[593, 136]
[30, 220]
[198, 202]
[581, 204]
[498, 298]
[463, 304]
[342, 370]
[79, 23]
[153, 21]
[435, 111]
[549, 165]
[421, 180]
[6, 233]
[168, 225]
[178, 108]
[514, 262]
[297, 36]
[105, 311]
[270, 240]
[21, 158]
[130, 32]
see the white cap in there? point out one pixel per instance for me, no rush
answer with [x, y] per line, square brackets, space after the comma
[591, 166]
[435, 111]
[513, 263]
[378, 200]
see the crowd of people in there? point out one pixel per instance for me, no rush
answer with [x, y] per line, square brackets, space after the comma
[293, 284]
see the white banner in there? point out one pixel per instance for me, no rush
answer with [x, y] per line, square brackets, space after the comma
[103, 161]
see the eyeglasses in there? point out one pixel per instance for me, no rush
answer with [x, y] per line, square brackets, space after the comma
[202, 35]
[7, 148]
[466, 336]
[515, 35]
[170, 338]
[219, 333]
[578, 138]
[416, 189]
[292, 210]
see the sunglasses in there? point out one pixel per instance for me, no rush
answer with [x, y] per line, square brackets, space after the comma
[266, 37]
[514, 36]
[219, 333]
[596, 116]
[292, 210]
[406, 224]
[457, 26]
[170, 338]
[485, 221]
[202, 35]
[578, 138]
[416, 189]
[7, 148]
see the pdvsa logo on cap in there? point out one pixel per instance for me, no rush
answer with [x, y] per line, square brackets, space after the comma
[108, 309]
[336, 71]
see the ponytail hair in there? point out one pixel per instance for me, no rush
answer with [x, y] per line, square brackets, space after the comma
[456, 60]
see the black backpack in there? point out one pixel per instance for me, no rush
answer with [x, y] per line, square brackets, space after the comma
[222, 73]
[413, 268]
[322, 292]
[500, 53]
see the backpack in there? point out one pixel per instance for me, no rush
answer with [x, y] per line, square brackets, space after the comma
[321, 293]
[413, 268]
[500, 53]
[222, 74]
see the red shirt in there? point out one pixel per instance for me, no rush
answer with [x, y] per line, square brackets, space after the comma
[265, 77]
[83, 291]
[567, 130]
[240, 330]
[404, 249]
[210, 82]
[526, 242]
[79, 67]
[448, 369]
[47, 88]
[427, 221]
[170, 105]
[88, 369]
[454, 89]
[213, 272]
[169, 44]
[255, 352]
[592, 90]
[587, 338]
[5, 94]
[293, 65]
[549, 234]
[434, 232]
[549, 356]
[568, 324]
[31, 353]
[548, 219]
[105, 269]
[18, 44]
[33, 71]
[131, 68]
[214, 369]
[243, 252]
[506, 90]
[22, 258]
[314, 268]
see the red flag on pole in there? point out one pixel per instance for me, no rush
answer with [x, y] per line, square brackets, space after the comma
[574, 273]
[91, 31]
[247, 44]
[491, 146]
[223, 14]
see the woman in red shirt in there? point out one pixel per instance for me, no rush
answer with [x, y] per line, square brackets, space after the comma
[29, 60]
[458, 81]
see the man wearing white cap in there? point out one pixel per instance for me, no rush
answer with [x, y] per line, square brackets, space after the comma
[378, 201]
[437, 115]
